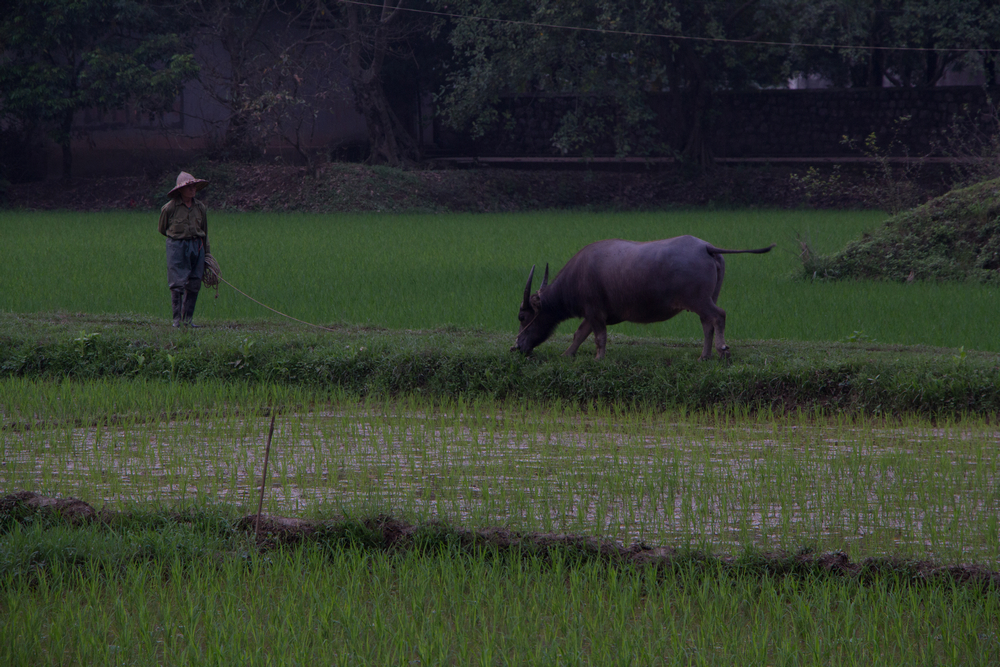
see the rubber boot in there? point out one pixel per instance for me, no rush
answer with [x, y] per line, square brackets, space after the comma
[190, 298]
[176, 301]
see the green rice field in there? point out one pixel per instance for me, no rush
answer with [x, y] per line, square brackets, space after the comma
[873, 488]
[342, 606]
[171, 582]
[741, 500]
[468, 271]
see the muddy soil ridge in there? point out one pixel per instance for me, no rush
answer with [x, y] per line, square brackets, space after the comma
[386, 533]
[72, 510]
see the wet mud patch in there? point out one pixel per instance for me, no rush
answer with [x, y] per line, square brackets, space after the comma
[26, 503]
[386, 533]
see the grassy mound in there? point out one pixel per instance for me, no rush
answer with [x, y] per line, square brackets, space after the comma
[953, 237]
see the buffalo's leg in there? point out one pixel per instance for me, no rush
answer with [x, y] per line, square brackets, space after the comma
[720, 335]
[713, 322]
[601, 338]
[581, 335]
[709, 329]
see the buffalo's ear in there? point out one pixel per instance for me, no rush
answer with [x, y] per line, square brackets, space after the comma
[536, 302]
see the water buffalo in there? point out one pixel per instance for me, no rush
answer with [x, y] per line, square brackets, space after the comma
[616, 281]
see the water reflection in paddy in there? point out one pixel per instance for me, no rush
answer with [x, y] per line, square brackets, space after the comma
[909, 491]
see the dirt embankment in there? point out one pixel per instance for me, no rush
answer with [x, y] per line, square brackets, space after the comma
[345, 187]
[389, 534]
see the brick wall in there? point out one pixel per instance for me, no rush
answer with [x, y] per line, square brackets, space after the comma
[767, 123]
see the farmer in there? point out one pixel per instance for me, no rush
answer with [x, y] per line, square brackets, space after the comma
[184, 221]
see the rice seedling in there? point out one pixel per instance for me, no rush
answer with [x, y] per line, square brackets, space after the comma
[866, 486]
[333, 605]
[195, 591]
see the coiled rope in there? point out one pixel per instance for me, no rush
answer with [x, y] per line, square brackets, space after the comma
[213, 276]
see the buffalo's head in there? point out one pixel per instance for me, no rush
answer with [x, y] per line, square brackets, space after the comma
[535, 324]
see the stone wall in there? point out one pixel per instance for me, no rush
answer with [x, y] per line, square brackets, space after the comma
[760, 124]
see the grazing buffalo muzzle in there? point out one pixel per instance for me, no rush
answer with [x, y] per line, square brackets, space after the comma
[615, 281]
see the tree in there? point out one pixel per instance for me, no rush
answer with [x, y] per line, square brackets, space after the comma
[62, 56]
[615, 55]
[272, 64]
[233, 27]
[372, 33]
[265, 64]
[722, 45]
[904, 42]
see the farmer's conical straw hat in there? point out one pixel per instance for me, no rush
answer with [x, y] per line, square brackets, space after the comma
[185, 178]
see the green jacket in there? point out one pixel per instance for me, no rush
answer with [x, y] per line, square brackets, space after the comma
[177, 221]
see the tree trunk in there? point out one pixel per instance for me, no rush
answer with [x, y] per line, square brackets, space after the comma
[239, 142]
[698, 149]
[389, 141]
[876, 55]
[697, 102]
[66, 143]
[876, 67]
[931, 75]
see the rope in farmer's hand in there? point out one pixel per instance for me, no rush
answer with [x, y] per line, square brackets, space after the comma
[212, 273]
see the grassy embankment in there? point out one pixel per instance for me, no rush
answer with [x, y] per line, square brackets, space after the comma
[427, 304]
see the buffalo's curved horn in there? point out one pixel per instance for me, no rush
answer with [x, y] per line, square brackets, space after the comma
[545, 278]
[527, 288]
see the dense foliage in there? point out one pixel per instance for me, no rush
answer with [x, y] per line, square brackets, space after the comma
[904, 42]
[58, 57]
[273, 66]
[609, 56]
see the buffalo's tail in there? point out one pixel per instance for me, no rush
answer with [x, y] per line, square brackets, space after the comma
[712, 250]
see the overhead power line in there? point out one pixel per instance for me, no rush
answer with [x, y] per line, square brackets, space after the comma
[657, 35]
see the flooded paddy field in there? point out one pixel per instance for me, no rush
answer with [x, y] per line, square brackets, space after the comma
[905, 489]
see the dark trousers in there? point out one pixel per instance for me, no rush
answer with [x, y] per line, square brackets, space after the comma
[185, 268]
[185, 263]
